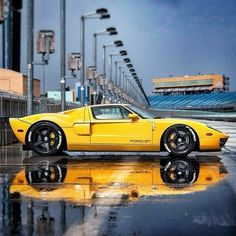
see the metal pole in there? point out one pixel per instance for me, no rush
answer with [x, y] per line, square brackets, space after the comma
[95, 64]
[120, 78]
[110, 65]
[30, 53]
[123, 85]
[116, 64]
[123, 82]
[82, 49]
[104, 59]
[63, 47]
[95, 50]
[104, 70]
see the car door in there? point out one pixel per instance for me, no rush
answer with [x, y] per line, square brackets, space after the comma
[81, 128]
[110, 125]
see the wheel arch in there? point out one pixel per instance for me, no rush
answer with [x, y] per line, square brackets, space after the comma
[197, 145]
[64, 144]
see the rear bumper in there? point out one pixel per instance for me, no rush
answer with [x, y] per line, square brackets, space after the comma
[19, 128]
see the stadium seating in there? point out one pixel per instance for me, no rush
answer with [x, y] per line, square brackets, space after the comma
[194, 101]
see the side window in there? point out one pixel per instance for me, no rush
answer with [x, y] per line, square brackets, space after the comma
[125, 113]
[107, 113]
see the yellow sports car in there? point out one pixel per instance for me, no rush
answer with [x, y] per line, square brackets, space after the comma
[114, 127]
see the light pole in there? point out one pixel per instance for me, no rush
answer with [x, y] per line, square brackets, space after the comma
[126, 82]
[108, 31]
[63, 50]
[126, 60]
[121, 79]
[110, 83]
[120, 53]
[117, 43]
[30, 57]
[100, 13]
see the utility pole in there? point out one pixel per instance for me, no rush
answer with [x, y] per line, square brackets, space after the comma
[63, 47]
[30, 53]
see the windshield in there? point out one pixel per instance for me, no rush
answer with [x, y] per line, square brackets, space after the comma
[143, 114]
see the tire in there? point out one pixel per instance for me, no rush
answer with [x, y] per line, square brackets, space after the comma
[44, 172]
[179, 140]
[45, 139]
[179, 171]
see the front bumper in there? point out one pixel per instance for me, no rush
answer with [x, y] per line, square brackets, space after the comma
[222, 142]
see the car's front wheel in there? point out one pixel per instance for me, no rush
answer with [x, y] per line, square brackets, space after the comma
[179, 170]
[179, 140]
[45, 139]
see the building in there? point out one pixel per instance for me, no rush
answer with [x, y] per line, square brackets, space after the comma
[16, 83]
[56, 95]
[195, 84]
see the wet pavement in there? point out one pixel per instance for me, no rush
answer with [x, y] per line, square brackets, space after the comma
[118, 195]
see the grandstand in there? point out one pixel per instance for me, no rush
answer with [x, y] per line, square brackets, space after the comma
[225, 101]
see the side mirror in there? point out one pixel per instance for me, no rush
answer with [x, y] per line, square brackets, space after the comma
[133, 117]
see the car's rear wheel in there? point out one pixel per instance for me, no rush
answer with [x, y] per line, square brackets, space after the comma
[45, 172]
[179, 140]
[45, 139]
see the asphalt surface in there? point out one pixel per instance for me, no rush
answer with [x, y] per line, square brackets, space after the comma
[119, 194]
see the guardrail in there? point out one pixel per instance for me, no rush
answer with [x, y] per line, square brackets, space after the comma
[6, 134]
[12, 105]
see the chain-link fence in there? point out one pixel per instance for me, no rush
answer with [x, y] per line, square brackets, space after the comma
[16, 106]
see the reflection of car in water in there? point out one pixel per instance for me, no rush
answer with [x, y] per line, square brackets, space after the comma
[114, 127]
[84, 181]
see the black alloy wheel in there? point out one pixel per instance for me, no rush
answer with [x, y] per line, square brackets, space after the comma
[180, 171]
[179, 140]
[45, 139]
[44, 172]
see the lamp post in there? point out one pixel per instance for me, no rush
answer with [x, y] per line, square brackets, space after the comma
[62, 51]
[100, 13]
[30, 57]
[108, 31]
[117, 82]
[120, 53]
[126, 60]
[121, 79]
[117, 43]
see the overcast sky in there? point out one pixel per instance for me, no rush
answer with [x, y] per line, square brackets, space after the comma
[162, 37]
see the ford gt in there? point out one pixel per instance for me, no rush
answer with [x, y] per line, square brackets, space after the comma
[114, 127]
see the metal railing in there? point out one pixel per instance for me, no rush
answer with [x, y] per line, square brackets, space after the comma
[16, 106]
